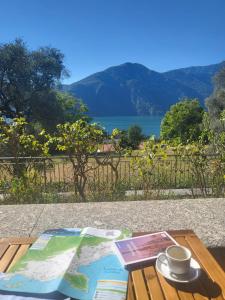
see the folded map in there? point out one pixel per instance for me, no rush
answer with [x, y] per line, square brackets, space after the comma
[78, 263]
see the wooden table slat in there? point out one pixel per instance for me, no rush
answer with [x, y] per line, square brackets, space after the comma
[199, 290]
[185, 295]
[19, 240]
[8, 256]
[130, 290]
[139, 285]
[199, 293]
[210, 265]
[203, 286]
[169, 291]
[20, 252]
[152, 281]
[3, 247]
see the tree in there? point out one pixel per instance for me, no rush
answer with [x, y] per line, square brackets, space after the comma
[144, 164]
[28, 81]
[220, 79]
[79, 140]
[122, 139]
[216, 102]
[57, 108]
[116, 139]
[131, 138]
[135, 136]
[183, 121]
[17, 143]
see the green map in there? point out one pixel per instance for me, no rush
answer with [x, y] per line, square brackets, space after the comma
[77, 263]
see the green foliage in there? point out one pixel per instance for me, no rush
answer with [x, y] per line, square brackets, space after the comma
[28, 82]
[206, 159]
[148, 159]
[132, 137]
[24, 190]
[26, 76]
[206, 131]
[101, 191]
[216, 101]
[135, 136]
[57, 108]
[79, 140]
[215, 139]
[220, 79]
[217, 142]
[183, 121]
[119, 150]
[72, 109]
[196, 155]
[116, 141]
[214, 129]
[17, 142]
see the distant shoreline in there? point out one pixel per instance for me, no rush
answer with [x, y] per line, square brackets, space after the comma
[108, 116]
[150, 124]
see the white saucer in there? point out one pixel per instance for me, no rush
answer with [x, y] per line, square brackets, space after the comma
[163, 268]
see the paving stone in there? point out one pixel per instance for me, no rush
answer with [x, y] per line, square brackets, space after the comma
[18, 220]
[204, 216]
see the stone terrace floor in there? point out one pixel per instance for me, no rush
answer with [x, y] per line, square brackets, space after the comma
[205, 216]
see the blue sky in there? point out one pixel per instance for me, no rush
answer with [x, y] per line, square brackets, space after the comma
[96, 34]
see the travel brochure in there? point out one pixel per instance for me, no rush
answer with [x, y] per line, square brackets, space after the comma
[141, 249]
[77, 263]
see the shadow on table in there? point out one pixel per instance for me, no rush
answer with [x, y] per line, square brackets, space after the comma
[203, 286]
[219, 255]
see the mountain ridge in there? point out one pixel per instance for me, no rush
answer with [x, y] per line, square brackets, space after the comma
[134, 89]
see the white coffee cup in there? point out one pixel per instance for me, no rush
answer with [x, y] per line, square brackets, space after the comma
[178, 259]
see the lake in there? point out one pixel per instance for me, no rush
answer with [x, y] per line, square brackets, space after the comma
[150, 124]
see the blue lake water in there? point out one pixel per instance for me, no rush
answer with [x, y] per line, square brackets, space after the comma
[150, 124]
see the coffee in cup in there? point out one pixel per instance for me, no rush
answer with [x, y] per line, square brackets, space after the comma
[178, 259]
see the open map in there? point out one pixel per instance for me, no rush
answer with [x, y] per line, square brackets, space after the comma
[77, 263]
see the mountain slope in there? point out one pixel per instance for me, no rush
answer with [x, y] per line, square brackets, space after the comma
[198, 78]
[133, 89]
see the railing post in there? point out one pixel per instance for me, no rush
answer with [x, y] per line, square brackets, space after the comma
[45, 177]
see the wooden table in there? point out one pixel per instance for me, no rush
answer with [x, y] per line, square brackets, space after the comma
[146, 283]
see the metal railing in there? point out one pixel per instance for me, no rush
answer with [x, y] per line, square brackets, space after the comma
[57, 173]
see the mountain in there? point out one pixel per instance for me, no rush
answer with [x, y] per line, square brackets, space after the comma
[133, 89]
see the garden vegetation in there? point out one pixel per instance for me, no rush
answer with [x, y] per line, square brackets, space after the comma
[39, 123]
